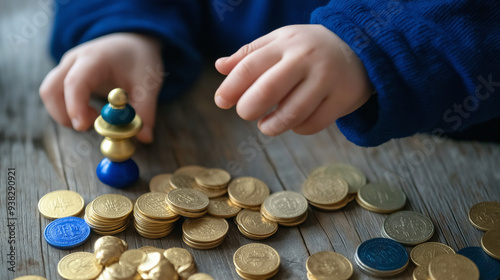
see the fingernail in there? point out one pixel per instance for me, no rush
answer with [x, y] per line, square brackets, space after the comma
[75, 123]
[221, 102]
[222, 59]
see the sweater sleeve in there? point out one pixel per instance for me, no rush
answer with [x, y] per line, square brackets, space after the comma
[435, 64]
[173, 22]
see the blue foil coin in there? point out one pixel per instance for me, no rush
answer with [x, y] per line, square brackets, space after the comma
[382, 254]
[67, 233]
[489, 268]
[118, 116]
[117, 174]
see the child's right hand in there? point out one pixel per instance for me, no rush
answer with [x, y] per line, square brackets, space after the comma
[118, 60]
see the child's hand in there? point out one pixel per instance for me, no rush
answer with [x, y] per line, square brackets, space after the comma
[97, 66]
[309, 73]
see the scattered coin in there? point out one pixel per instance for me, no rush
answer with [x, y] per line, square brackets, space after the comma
[200, 276]
[256, 261]
[60, 204]
[286, 208]
[485, 215]
[191, 170]
[352, 175]
[489, 268]
[66, 233]
[160, 183]
[79, 265]
[491, 243]
[408, 227]
[248, 192]
[30, 277]
[327, 265]
[381, 198]
[326, 191]
[381, 257]
[222, 207]
[423, 253]
[453, 266]
[421, 273]
[255, 226]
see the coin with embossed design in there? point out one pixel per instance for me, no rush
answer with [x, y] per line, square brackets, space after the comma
[485, 215]
[154, 205]
[424, 253]
[408, 227]
[213, 178]
[381, 257]
[79, 265]
[421, 273]
[256, 261]
[253, 223]
[247, 192]
[205, 229]
[189, 200]
[381, 198]
[327, 265]
[325, 189]
[285, 206]
[453, 267]
[223, 208]
[352, 175]
[180, 181]
[112, 206]
[59, 204]
[160, 183]
[490, 242]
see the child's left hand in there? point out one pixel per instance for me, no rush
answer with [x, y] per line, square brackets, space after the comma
[305, 72]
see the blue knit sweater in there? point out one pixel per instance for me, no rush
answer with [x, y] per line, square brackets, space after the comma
[435, 64]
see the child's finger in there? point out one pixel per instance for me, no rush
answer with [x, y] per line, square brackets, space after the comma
[322, 117]
[85, 75]
[243, 76]
[294, 109]
[226, 64]
[52, 92]
[270, 88]
[144, 102]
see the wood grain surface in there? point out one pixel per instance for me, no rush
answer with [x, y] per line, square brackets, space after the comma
[442, 178]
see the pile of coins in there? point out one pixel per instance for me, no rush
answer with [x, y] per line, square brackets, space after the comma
[337, 266]
[248, 192]
[254, 226]
[108, 214]
[286, 208]
[381, 257]
[422, 255]
[256, 261]
[332, 187]
[205, 232]
[152, 217]
[187, 202]
[408, 228]
[485, 216]
[111, 261]
[60, 204]
[212, 182]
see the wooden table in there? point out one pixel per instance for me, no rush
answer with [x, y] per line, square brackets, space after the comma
[442, 178]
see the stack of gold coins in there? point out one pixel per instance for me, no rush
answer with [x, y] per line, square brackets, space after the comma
[205, 232]
[70, 266]
[327, 191]
[381, 198]
[248, 192]
[213, 181]
[350, 174]
[222, 207]
[182, 261]
[255, 226]
[286, 208]
[152, 217]
[60, 204]
[256, 261]
[160, 183]
[187, 202]
[338, 266]
[108, 214]
[423, 254]
[485, 216]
